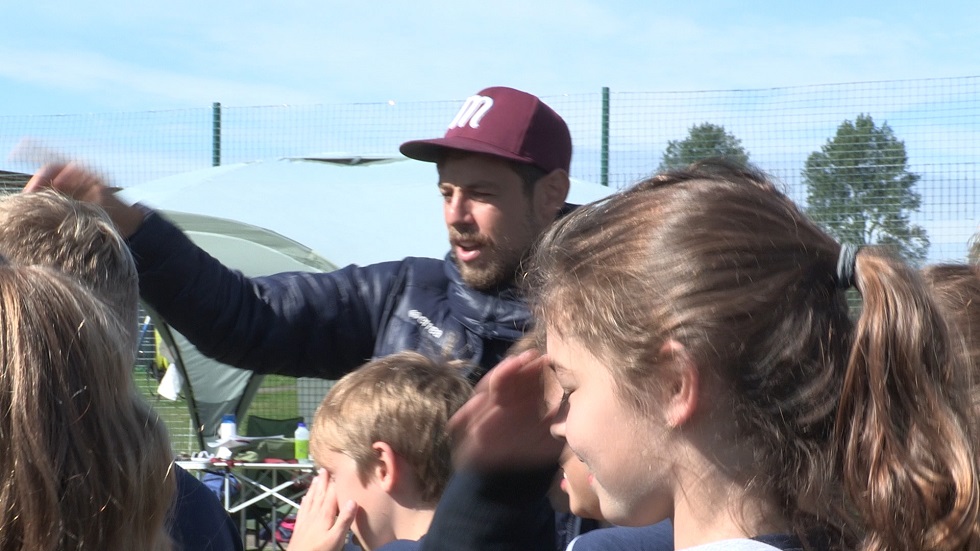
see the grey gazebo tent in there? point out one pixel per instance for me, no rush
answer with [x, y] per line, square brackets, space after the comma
[312, 214]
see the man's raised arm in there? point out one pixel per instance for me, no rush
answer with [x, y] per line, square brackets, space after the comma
[84, 185]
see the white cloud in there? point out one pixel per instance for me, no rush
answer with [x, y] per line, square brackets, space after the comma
[92, 73]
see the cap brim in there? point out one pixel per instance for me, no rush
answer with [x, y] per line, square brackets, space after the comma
[434, 150]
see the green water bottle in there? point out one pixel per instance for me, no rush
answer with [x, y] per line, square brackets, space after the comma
[301, 443]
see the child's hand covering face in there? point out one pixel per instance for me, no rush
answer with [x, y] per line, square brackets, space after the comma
[506, 423]
[321, 525]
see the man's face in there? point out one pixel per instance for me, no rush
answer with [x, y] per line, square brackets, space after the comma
[491, 220]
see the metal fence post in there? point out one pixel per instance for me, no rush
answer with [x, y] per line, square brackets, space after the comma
[604, 170]
[216, 134]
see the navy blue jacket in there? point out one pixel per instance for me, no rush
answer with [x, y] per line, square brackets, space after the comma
[504, 512]
[656, 537]
[197, 521]
[322, 324]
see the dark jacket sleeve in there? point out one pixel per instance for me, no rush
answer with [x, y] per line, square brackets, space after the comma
[293, 323]
[494, 512]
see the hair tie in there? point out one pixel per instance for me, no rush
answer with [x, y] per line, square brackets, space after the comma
[846, 262]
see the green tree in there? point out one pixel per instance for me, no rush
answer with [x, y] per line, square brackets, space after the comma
[703, 141]
[859, 188]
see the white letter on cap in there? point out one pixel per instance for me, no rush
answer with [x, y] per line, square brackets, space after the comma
[472, 112]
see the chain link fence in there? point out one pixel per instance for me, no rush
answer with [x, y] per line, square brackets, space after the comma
[618, 137]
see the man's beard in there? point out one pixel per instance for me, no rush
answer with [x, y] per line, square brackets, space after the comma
[498, 265]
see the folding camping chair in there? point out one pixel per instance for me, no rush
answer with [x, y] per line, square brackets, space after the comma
[268, 513]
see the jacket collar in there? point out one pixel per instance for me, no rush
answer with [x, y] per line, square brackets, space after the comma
[500, 314]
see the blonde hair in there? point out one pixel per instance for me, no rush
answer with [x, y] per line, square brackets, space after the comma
[861, 432]
[404, 400]
[48, 228]
[86, 463]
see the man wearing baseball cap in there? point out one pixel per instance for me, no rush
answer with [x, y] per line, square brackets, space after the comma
[503, 172]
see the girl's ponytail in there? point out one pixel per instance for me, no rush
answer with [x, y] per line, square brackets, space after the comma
[905, 431]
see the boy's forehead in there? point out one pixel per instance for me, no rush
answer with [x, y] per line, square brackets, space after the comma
[331, 458]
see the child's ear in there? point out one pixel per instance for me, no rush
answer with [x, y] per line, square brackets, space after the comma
[684, 384]
[386, 466]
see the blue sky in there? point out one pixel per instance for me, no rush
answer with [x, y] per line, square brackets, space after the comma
[109, 55]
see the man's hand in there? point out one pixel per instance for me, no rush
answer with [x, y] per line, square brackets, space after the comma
[84, 185]
[320, 524]
[506, 423]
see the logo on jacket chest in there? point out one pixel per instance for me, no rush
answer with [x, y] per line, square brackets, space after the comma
[425, 324]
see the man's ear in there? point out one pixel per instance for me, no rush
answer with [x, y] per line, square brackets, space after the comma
[683, 384]
[386, 469]
[550, 192]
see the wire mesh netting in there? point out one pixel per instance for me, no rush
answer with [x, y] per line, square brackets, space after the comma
[927, 128]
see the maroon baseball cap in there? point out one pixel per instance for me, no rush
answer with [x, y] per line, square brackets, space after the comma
[506, 123]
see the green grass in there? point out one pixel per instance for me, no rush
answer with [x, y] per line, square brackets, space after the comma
[174, 414]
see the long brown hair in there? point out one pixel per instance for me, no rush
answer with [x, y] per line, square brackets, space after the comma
[86, 463]
[718, 259]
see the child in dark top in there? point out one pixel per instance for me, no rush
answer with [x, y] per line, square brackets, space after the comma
[583, 501]
[573, 492]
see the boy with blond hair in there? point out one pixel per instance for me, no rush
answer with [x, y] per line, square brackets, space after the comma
[380, 439]
[87, 248]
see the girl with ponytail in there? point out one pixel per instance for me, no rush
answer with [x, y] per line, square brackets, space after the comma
[712, 373]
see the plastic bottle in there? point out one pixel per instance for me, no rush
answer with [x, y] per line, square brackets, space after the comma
[302, 442]
[227, 430]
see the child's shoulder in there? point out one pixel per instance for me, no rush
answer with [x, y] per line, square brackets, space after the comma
[657, 537]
